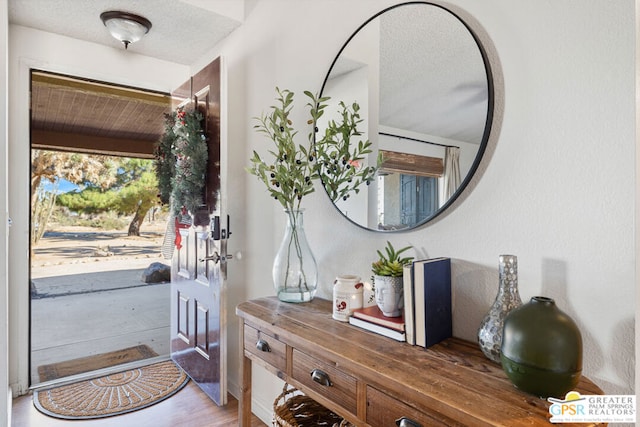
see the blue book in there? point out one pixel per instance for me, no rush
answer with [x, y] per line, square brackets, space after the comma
[432, 299]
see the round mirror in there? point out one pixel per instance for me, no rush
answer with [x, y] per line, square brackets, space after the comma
[423, 84]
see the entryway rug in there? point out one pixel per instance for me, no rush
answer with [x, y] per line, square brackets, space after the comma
[93, 363]
[113, 394]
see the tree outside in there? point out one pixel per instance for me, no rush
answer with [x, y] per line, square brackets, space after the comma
[125, 186]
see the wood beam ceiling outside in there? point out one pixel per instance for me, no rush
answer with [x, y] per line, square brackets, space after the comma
[91, 144]
[158, 98]
[72, 114]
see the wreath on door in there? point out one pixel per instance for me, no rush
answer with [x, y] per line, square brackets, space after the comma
[181, 161]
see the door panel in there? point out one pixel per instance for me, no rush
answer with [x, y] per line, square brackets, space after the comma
[198, 336]
[418, 198]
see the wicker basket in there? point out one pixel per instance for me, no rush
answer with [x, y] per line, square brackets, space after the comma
[293, 409]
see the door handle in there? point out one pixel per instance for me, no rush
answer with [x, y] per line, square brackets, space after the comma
[215, 258]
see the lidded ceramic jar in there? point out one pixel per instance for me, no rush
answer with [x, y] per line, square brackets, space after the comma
[542, 349]
[347, 296]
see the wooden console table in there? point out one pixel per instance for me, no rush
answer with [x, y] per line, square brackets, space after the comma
[373, 380]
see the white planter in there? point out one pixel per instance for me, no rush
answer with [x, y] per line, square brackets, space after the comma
[389, 295]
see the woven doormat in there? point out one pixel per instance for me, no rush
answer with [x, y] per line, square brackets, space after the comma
[93, 363]
[113, 394]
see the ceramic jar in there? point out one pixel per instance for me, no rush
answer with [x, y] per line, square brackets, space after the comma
[389, 294]
[347, 296]
[542, 349]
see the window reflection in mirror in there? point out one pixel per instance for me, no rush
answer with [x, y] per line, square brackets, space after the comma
[422, 83]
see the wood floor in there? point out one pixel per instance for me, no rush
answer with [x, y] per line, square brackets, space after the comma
[190, 407]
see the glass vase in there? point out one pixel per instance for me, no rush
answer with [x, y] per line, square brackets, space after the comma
[295, 272]
[508, 298]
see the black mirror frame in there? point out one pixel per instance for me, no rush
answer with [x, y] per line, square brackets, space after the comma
[487, 126]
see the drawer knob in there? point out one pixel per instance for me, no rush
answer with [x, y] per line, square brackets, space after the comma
[262, 345]
[321, 377]
[406, 422]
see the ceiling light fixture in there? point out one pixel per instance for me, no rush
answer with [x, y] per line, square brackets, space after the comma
[125, 27]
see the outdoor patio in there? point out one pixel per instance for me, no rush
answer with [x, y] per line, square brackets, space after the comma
[89, 305]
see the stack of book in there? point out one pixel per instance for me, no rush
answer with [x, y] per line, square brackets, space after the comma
[426, 319]
[372, 319]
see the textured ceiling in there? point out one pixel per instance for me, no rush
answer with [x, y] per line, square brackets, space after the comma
[432, 78]
[182, 30]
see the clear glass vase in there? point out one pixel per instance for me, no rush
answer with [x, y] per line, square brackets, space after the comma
[295, 272]
[508, 298]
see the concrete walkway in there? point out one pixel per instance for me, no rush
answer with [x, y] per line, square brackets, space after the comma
[69, 279]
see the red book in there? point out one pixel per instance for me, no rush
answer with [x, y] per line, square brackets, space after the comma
[374, 315]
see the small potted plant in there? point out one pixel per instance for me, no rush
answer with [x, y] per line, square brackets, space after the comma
[388, 280]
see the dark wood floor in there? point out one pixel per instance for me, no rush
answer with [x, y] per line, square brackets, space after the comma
[190, 407]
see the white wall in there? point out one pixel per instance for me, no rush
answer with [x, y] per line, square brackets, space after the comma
[5, 392]
[637, 186]
[556, 187]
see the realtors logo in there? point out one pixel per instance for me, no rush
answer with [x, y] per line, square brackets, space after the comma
[593, 408]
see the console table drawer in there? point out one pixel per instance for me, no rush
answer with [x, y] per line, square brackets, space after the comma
[384, 410]
[325, 379]
[266, 347]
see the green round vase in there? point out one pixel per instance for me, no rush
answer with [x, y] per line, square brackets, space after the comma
[541, 349]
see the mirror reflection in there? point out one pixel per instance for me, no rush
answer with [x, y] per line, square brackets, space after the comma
[421, 80]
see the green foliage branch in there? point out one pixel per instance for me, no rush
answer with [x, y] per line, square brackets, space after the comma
[165, 163]
[334, 158]
[339, 162]
[288, 177]
[181, 161]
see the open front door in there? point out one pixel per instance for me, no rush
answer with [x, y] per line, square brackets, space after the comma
[198, 273]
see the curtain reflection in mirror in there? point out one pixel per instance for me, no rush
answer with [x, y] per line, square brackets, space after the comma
[451, 179]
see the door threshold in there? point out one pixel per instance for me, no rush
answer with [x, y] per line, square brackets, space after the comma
[98, 373]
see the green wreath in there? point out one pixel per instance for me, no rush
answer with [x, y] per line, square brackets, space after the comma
[181, 161]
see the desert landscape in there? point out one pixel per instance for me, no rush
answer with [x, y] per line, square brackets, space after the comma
[81, 248]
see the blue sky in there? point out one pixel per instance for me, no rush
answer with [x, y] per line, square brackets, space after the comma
[64, 186]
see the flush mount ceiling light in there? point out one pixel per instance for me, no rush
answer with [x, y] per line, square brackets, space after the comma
[125, 27]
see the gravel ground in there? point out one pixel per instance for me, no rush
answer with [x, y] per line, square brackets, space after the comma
[76, 250]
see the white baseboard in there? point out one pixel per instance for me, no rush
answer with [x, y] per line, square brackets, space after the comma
[6, 421]
[260, 409]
